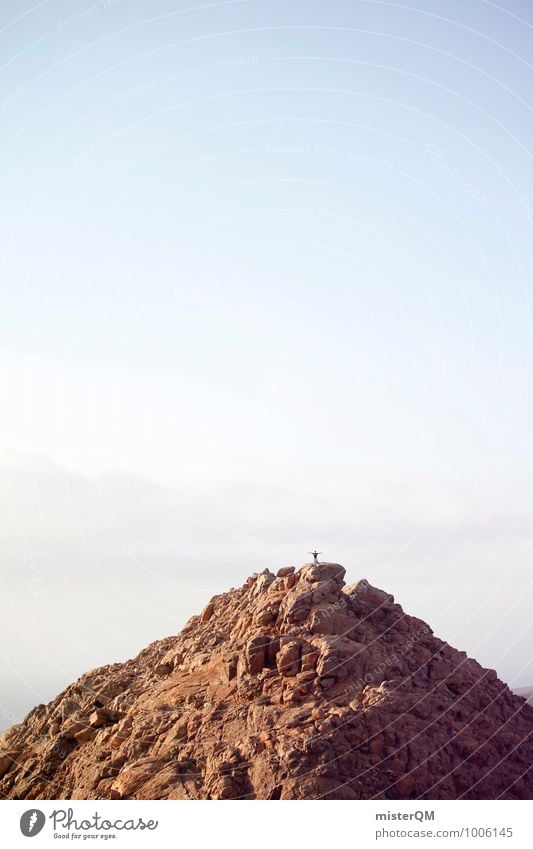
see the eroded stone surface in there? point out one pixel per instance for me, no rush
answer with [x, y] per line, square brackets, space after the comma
[294, 686]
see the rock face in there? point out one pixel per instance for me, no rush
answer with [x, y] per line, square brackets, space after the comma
[294, 686]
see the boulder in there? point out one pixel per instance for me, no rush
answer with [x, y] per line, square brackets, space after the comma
[284, 571]
[314, 573]
[288, 658]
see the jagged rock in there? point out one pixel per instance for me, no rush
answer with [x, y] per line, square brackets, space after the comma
[255, 653]
[264, 580]
[85, 734]
[101, 717]
[207, 612]
[293, 686]
[288, 657]
[285, 571]
[313, 573]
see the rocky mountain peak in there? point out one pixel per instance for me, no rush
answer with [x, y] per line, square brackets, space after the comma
[293, 686]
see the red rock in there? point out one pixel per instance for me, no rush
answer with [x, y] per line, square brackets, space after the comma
[285, 571]
[288, 658]
[291, 687]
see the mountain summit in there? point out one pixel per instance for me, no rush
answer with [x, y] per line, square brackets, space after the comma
[294, 686]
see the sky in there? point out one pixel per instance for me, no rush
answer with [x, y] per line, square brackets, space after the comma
[266, 287]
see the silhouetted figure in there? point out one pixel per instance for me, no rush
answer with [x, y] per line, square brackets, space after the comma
[315, 556]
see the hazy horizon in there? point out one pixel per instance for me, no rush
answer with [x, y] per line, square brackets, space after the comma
[266, 287]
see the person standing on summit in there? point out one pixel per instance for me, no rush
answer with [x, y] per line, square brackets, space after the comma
[315, 556]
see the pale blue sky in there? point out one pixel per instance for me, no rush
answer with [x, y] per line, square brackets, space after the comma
[265, 286]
